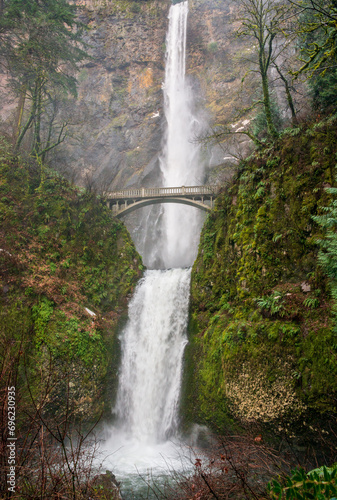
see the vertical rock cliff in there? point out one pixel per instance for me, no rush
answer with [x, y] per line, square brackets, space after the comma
[115, 122]
[115, 125]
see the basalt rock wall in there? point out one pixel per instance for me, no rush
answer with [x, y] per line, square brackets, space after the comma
[116, 121]
[115, 125]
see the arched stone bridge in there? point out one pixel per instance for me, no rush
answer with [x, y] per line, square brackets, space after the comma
[123, 202]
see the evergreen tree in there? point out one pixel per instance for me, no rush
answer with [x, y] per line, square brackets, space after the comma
[318, 29]
[323, 89]
[41, 44]
[318, 34]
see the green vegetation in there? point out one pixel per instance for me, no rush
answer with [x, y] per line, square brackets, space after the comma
[317, 35]
[292, 51]
[262, 22]
[318, 484]
[61, 252]
[328, 253]
[67, 268]
[318, 28]
[265, 347]
[41, 45]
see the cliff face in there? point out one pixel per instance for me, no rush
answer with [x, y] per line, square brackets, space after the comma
[217, 60]
[216, 57]
[116, 121]
[264, 345]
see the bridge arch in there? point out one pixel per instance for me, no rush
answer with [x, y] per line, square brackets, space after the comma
[120, 212]
[127, 200]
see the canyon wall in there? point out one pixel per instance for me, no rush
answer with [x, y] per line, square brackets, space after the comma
[115, 125]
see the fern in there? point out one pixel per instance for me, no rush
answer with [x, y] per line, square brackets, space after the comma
[272, 303]
[311, 303]
[276, 237]
[327, 256]
[318, 484]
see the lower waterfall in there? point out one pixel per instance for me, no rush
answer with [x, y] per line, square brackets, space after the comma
[145, 438]
[152, 345]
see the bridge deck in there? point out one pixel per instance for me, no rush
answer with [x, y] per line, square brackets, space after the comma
[155, 192]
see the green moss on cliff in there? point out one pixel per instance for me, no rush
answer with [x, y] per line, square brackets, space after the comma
[259, 298]
[61, 255]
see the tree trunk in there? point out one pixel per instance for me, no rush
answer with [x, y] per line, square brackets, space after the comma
[264, 63]
[50, 130]
[32, 115]
[267, 106]
[25, 128]
[290, 101]
[37, 131]
[21, 107]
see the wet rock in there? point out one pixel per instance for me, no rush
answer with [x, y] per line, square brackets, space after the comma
[119, 106]
[107, 486]
[113, 134]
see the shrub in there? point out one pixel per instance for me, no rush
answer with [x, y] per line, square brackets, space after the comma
[318, 484]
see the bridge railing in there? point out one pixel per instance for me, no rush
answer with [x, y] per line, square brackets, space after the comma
[161, 191]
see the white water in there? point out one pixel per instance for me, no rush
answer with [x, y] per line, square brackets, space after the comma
[180, 162]
[170, 238]
[146, 434]
[152, 346]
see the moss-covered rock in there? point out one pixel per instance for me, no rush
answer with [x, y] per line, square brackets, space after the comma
[67, 268]
[266, 344]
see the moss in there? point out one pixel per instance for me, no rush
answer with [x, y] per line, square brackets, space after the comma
[127, 9]
[188, 399]
[259, 298]
[119, 121]
[61, 252]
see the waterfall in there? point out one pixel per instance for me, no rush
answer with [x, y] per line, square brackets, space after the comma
[154, 338]
[180, 162]
[152, 347]
[170, 239]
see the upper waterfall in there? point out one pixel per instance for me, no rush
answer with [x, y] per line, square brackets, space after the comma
[180, 161]
[168, 236]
